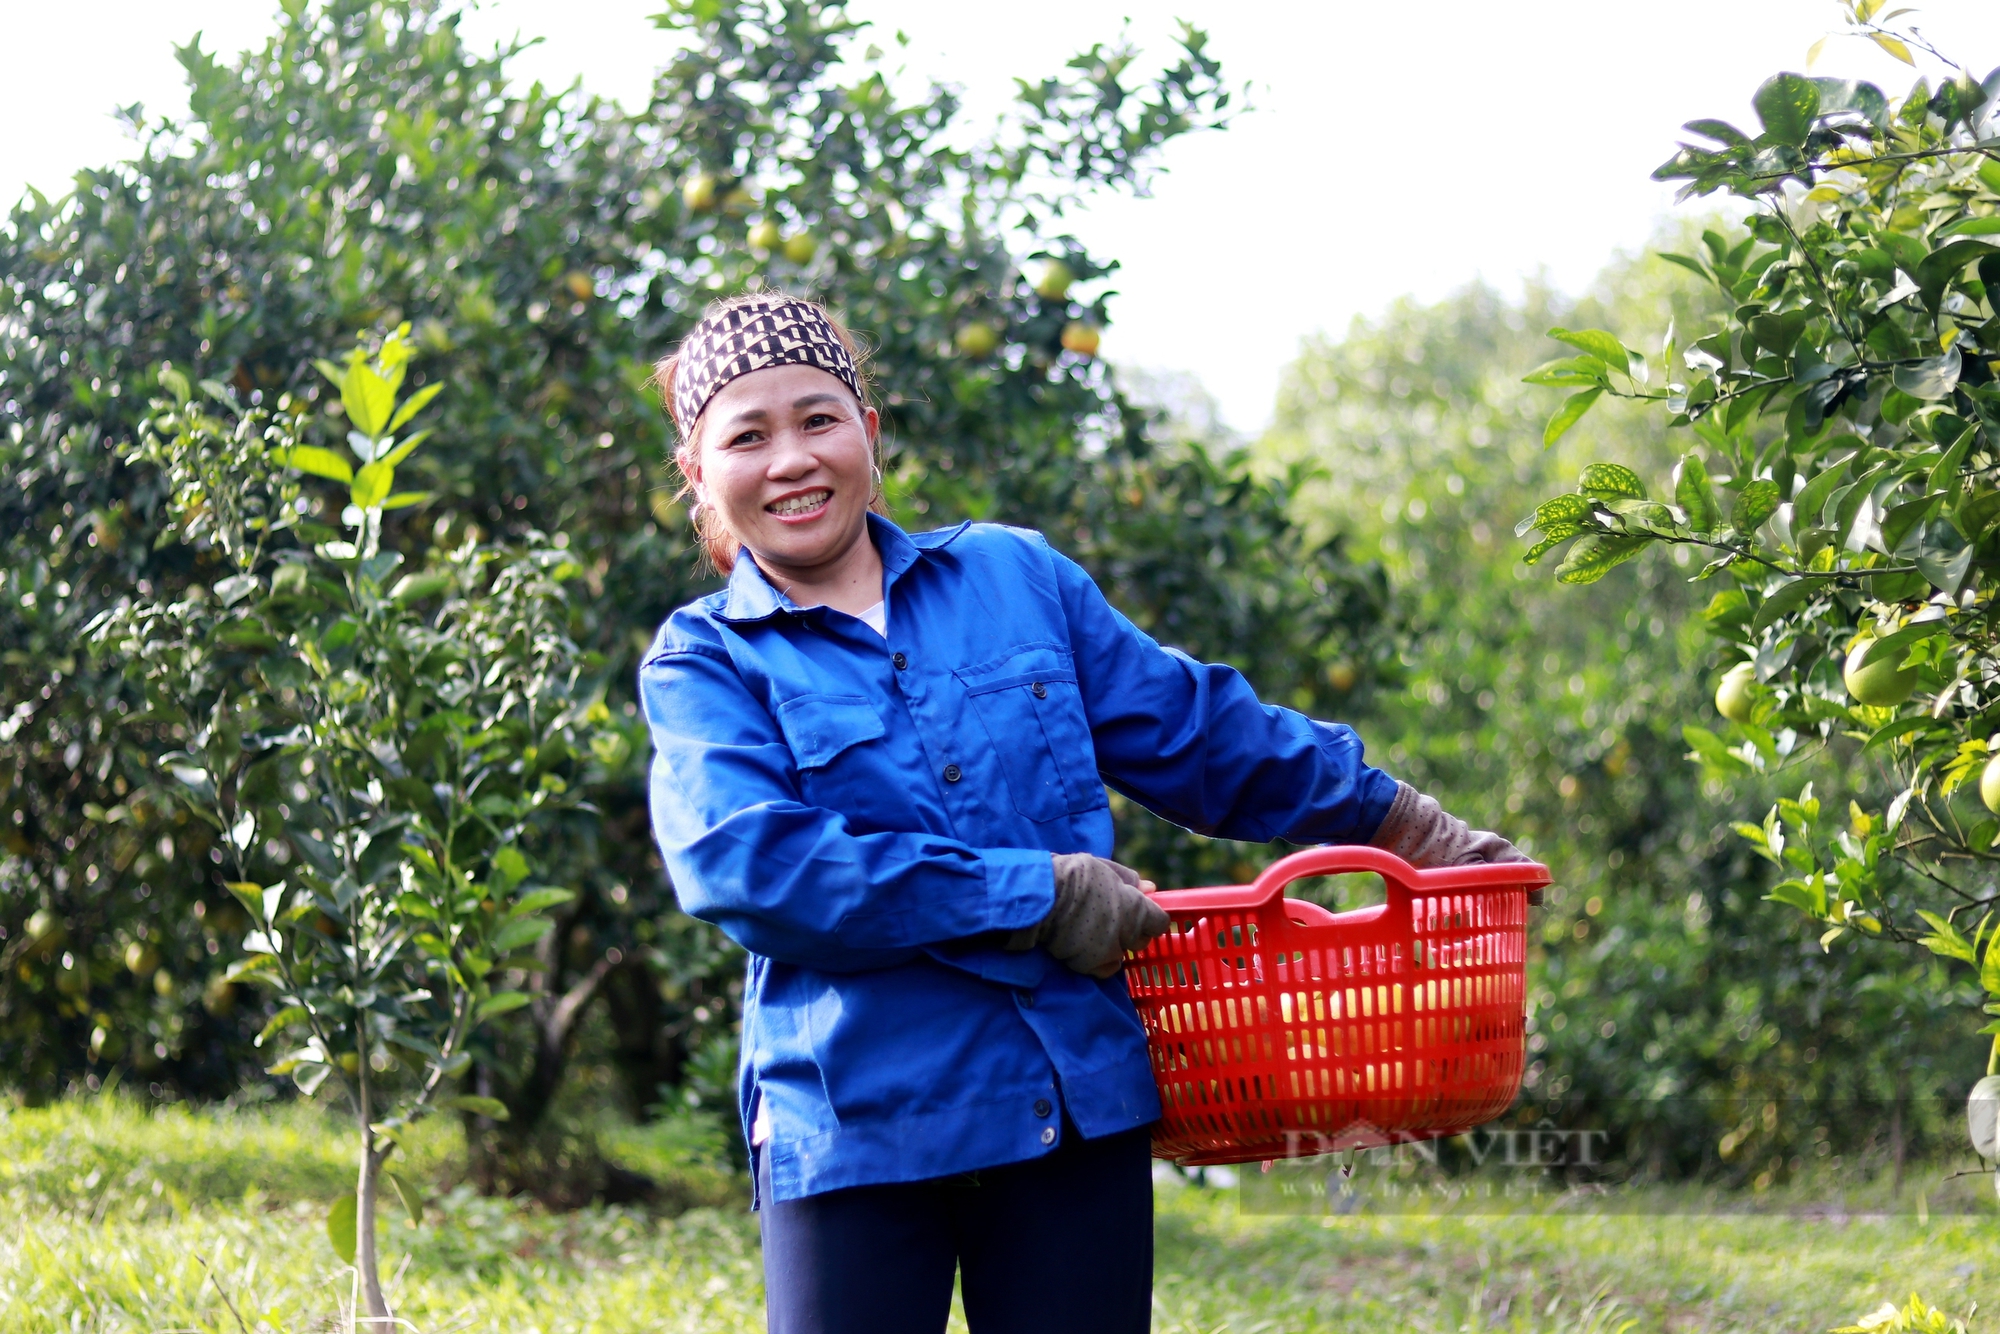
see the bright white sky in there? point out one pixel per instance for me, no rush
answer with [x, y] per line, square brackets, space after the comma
[1394, 149]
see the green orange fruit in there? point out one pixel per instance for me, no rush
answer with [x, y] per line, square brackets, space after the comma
[699, 191]
[1989, 785]
[1732, 697]
[1054, 280]
[1880, 684]
[801, 248]
[767, 235]
[977, 339]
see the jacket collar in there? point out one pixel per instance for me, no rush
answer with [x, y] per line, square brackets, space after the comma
[751, 597]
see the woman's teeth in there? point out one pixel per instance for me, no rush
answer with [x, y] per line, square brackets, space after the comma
[811, 500]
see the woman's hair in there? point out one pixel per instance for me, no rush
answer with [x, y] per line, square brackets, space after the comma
[718, 545]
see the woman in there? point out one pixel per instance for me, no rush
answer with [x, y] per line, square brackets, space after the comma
[880, 767]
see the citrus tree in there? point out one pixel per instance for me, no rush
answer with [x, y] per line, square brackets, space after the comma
[374, 750]
[1842, 484]
[365, 168]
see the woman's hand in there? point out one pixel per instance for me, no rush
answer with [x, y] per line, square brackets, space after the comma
[1423, 833]
[1101, 911]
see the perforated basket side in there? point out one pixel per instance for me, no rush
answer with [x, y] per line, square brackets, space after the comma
[1280, 1029]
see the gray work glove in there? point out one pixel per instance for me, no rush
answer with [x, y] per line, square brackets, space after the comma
[1099, 914]
[1422, 833]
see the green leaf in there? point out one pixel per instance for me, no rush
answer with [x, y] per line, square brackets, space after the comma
[1931, 379]
[519, 932]
[412, 405]
[500, 1002]
[407, 448]
[1596, 555]
[1754, 504]
[279, 1022]
[417, 587]
[1711, 750]
[1550, 543]
[412, 1198]
[1944, 475]
[510, 866]
[1787, 599]
[1989, 967]
[1808, 899]
[1568, 415]
[404, 499]
[537, 900]
[312, 459]
[1605, 347]
[1946, 939]
[1971, 227]
[1569, 373]
[1893, 647]
[1812, 500]
[250, 895]
[371, 484]
[491, 1108]
[1563, 509]
[1695, 496]
[368, 399]
[1611, 481]
[1894, 46]
[340, 1227]
[1787, 104]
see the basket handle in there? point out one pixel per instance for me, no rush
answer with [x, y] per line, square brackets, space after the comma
[1338, 858]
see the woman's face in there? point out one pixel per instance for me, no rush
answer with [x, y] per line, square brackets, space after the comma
[786, 457]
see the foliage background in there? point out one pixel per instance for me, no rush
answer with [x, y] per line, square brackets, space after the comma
[366, 169]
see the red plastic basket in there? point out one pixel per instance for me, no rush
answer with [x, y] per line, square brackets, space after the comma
[1279, 1030]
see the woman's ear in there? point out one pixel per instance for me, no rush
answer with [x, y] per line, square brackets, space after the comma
[873, 421]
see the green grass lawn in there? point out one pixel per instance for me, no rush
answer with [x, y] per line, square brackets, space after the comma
[122, 1219]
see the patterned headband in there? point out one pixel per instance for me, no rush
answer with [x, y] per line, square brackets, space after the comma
[766, 331]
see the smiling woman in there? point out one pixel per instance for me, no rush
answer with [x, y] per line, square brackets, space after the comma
[881, 762]
[779, 444]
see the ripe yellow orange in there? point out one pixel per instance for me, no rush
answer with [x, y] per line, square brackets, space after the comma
[1080, 338]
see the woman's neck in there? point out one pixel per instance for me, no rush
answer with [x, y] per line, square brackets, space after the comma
[849, 582]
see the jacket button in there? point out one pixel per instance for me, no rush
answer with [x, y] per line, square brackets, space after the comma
[952, 774]
[1041, 691]
[1048, 1134]
[1027, 999]
[900, 661]
[1042, 1107]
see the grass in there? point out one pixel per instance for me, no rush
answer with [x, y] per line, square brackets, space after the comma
[121, 1219]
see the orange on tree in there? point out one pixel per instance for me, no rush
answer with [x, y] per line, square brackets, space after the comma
[1080, 338]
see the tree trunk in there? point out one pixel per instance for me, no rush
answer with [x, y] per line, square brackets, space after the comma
[374, 1307]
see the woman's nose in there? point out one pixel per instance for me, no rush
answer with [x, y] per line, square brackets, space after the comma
[792, 455]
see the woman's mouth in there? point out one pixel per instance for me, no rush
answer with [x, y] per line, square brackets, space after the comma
[803, 505]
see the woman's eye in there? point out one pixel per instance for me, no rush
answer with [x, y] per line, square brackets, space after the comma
[747, 438]
[819, 419]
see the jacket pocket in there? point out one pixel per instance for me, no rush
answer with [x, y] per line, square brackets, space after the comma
[819, 727]
[1033, 714]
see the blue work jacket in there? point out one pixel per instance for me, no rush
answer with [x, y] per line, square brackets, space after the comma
[864, 817]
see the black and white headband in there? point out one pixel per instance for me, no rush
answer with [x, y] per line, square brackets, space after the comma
[751, 336]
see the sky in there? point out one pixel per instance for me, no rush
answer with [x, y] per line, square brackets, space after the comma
[1389, 150]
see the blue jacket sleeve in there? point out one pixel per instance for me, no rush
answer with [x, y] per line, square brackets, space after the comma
[1191, 742]
[791, 881]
